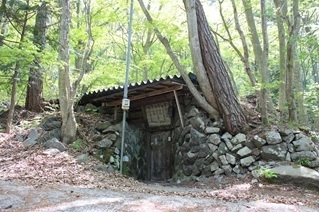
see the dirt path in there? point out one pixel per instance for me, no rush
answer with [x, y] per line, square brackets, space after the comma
[18, 197]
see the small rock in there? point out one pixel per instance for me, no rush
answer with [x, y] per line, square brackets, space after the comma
[227, 135]
[228, 144]
[231, 159]
[273, 137]
[258, 141]
[236, 148]
[247, 161]
[214, 139]
[105, 143]
[212, 147]
[51, 151]
[239, 139]
[82, 158]
[29, 142]
[223, 159]
[244, 152]
[214, 166]
[116, 151]
[125, 158]
[211, 130]
[55, 143]
[219, 171]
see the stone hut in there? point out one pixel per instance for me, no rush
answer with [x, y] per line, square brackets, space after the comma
[156, 110]
[168, 136]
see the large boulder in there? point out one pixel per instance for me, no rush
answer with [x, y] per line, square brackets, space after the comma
[277, 152]
[297, 175]
[303, 155]
[304, 144]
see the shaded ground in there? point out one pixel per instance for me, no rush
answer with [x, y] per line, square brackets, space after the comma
[35, 180]
[16, 197]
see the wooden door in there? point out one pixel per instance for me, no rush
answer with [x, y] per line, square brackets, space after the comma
[161, 158]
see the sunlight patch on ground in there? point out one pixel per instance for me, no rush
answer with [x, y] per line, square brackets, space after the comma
[79, 203]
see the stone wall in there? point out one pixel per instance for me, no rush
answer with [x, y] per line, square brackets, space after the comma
[109, 147]
[203, 149]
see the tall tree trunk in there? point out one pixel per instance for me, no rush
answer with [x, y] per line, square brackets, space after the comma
[15, 77]
[197, 59]
[213, 113]
[85, 48]
[281, 13]
[265, 93]
[265, 102]
[301, 109]
[294, 27]
[228, 104]
[244, 57]
[66, 99]
[3, 22]
[13, 97]
[35, 84]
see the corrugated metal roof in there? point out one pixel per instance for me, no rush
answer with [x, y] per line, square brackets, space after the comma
[134, 89]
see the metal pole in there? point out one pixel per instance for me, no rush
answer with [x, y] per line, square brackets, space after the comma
[128, 60]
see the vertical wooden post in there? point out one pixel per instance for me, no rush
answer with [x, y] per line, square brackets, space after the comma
[179, 109]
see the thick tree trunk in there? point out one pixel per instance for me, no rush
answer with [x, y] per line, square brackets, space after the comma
[35, 84]
[213, 113]
[66, 99]
[228, 104]
[194, 45]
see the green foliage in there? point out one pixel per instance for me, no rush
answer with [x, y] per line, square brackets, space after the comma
[78, 145]
[303, 162]
[267, 173]
[126, 169]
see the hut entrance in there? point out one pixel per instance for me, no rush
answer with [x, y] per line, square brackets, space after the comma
[161, 156]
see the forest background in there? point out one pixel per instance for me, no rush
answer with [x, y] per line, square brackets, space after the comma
[270, 49]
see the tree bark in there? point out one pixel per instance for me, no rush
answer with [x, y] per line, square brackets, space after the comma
[228, 104]
[281, 13]
[265, 102]
[66, 99]
[34, 96]
[15, 77]
[195, 49]
[294, 27]
[213, 113]
[244, 57]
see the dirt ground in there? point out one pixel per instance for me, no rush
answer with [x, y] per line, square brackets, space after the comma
[32, 179]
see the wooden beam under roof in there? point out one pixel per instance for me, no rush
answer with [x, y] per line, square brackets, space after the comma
[141, 88]
[146, 95]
